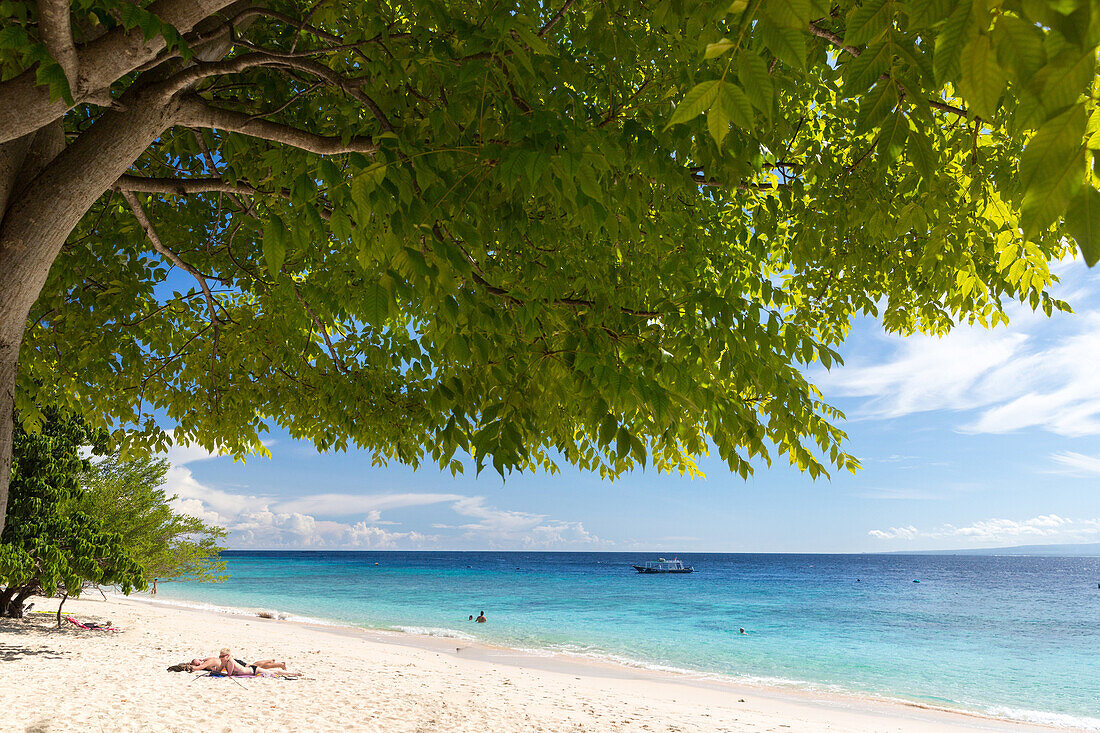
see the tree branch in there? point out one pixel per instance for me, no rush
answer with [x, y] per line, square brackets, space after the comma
[196, 113]
[324, 332]
[261, 58]
[832, 38]
[556, 19]
[25, 106]
[55, 29]
[181, 186]
[851, 50]
[158, 245]
[187, 186]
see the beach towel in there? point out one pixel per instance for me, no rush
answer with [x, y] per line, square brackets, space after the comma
[90, 626]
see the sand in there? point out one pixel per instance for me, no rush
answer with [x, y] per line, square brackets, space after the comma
[75, 680]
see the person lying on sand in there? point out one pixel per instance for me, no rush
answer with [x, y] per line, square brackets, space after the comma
[231, 667]
[211, 664]
[199, 665]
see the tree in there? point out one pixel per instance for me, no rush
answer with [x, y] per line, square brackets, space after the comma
[604, 233]
[49, 542]
[126, 496]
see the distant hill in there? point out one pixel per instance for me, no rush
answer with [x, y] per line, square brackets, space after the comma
[1091, 549]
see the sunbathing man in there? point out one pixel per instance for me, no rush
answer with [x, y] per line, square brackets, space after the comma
[199, 665]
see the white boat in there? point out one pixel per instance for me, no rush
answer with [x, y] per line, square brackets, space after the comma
[664, 566]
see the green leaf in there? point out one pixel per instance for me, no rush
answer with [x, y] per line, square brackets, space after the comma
[867, 21]
[375, 301]
[51, 75]
[274, 244]
[737, 107]
[1083, 223]
[949, 43]
[861, 72]
[622, 443]
[1061, 82]
[1019, 47]
[875, 105]
[926, 13]
[983, 79]
[787, 44]
[533, 41]
[714, 50]
[892, 136]
[718, 122]
[1051, 169]
[588, 183]
[794, 14]
[695, 102]
[752, 71]
[921, 153]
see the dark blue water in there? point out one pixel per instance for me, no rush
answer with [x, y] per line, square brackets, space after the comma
[1012, 636]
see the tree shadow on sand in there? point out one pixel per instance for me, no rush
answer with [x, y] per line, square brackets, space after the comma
[28, 637]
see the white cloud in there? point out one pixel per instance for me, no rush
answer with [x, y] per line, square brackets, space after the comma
[255, 521]
[906, 533]
[182, 454]
[1047, 527]
[345, 504]
[1077, 463]
[1036, 373]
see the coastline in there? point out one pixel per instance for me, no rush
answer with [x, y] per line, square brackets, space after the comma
[455, 684]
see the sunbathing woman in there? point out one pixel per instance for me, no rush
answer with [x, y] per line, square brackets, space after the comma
[265, 668]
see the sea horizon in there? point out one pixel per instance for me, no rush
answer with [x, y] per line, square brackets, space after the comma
[968, 552]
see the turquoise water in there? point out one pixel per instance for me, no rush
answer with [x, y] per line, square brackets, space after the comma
[1016, 637]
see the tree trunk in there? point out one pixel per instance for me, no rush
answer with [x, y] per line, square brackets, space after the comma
[55, 189]
[9, 355]
[16, 604]
[5, 599]
[11, 599]
[64, 597]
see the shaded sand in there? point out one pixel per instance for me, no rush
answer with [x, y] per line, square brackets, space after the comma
[74, 680]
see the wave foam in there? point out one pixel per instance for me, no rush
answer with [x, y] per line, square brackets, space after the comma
[432, 631]
[1038, 717]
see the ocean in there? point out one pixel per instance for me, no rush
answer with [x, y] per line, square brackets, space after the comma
[1015, 637]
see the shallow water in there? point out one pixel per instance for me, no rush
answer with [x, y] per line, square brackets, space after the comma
[1012, 636]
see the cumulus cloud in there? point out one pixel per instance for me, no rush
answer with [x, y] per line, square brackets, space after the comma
[1037, 373]
[1047, 527]
[905, 533]
[310, 522]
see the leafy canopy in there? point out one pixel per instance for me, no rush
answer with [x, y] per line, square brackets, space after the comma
[593, 232]
[127, 497]
[49, 541]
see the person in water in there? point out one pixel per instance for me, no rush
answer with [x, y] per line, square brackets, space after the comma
[471, 617]
[481, 618]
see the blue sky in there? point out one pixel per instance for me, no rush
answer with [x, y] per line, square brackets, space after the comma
[982, 438]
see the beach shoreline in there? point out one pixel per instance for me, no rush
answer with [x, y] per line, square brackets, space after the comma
[468, 685]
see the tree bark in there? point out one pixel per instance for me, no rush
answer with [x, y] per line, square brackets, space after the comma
[43, 213]
[26, 107]
[64, 597]
[15, 606]
[5, 599]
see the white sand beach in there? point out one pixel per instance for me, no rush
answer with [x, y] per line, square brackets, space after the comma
[77, 680]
